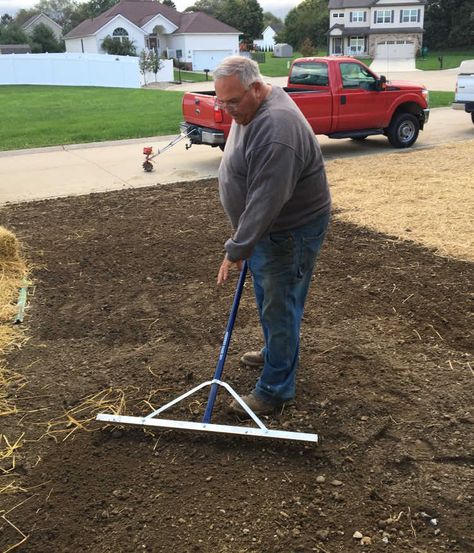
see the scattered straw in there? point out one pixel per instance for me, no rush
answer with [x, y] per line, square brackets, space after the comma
[81, 416]
[422, 195]
[7, 453]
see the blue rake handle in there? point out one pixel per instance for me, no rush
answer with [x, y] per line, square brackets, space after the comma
[225, 345]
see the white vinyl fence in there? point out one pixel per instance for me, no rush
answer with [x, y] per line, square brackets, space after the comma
[77, 70]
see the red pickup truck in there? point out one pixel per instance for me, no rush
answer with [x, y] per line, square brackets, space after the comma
[339, 96]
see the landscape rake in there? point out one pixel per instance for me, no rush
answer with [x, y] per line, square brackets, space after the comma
[260, 431]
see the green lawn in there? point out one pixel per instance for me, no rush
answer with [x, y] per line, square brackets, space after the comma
[34, 116]
[190, 76]
[451, 59]
[439, 99]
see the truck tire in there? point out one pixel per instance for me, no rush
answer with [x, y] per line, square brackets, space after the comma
[403, 130]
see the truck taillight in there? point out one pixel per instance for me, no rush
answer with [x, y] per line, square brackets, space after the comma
[218, 115]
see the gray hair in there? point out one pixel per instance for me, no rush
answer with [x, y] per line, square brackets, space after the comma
[245, 69]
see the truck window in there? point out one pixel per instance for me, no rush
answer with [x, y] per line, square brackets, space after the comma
[309, 73]
[354, 75]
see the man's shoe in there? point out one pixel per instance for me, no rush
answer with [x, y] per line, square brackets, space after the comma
[257, 405]
[253, 359]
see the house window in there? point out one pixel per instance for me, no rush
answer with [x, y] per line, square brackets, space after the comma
[383, 16]
[409, 16]
[338, 14]
[119, 34]
[357, 16]
[356, 44]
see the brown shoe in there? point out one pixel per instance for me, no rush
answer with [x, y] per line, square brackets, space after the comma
[257, 405]
[253, 359]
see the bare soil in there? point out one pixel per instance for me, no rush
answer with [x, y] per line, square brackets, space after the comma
[126, 309]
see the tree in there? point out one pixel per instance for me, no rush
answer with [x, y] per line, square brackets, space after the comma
[310, 19]
[270, 20]
[6, 19]
[244, 15]
[307, 48]
[149, 62]
[169, 3]
[211, 7]
[24, 15]
[58, 10]
[143, 63]
[123, 47]
[449, 24]
[42, 39]
[155, 64]
[13, 34]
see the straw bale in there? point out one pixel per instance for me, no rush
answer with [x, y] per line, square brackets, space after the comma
[9, 246]
[12, 273]
[423, 195]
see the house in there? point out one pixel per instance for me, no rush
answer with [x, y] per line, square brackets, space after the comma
[267, 42]
[195, 38]
[387, 29]
[42, 18]
[15, 48]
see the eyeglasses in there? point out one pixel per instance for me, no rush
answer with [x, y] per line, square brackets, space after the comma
[231, 104]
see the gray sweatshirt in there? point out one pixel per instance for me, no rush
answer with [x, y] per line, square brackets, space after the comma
[272, 175]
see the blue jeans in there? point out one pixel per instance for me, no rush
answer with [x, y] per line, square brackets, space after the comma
[282, 264]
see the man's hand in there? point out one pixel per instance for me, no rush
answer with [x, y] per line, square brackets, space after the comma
[226, 265]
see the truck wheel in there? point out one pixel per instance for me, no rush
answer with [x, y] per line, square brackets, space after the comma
[403, 130]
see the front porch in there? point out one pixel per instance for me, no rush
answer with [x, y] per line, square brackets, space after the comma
[349, 46]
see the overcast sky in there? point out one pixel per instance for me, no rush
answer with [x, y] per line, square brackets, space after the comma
[279, 7]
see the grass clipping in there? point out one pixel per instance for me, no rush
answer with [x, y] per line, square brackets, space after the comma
[421, 195]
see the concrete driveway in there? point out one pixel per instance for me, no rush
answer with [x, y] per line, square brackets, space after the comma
[384, 65]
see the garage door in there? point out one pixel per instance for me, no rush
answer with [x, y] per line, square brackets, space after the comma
[208, 59]
[395, 50]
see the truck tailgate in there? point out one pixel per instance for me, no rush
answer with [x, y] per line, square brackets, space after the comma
[199, 109]
[465, 88]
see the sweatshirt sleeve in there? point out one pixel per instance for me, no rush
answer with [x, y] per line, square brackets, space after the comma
[273, 171]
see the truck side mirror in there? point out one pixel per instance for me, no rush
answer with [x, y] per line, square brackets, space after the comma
[381, 82]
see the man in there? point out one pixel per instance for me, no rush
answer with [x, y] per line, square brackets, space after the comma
[273, 187]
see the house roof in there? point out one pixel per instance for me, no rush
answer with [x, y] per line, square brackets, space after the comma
[30, 21]
[346, 31]
[340, 4]
[139, 12]
[200, 22]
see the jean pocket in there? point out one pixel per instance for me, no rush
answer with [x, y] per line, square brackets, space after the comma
[309, 252]
[282, 240]
[313, 244]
